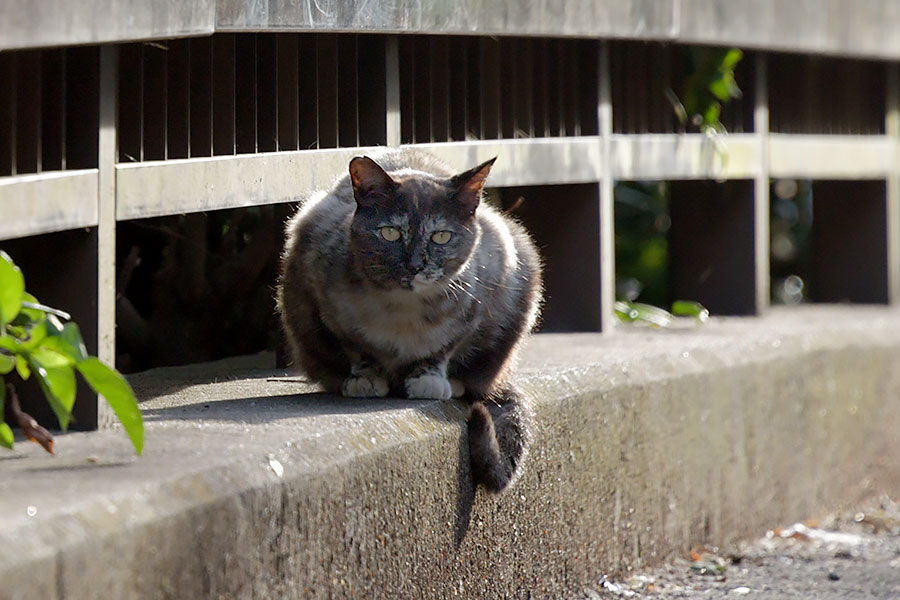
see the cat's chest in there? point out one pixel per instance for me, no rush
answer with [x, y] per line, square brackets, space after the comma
[403, 323]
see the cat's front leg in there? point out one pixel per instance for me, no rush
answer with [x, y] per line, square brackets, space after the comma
[430, 381]
[364, 382]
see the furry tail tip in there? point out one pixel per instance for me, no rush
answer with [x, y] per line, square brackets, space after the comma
[499, 435]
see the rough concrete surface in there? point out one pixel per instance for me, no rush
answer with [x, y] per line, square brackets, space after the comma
[851, 554]
[649, 442]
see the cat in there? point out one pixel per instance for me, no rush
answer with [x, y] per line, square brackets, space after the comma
[401, 281]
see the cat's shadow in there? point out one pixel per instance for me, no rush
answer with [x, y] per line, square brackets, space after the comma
[292, 406]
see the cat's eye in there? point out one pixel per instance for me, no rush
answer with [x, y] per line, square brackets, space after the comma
[391, 234]
[441, 237]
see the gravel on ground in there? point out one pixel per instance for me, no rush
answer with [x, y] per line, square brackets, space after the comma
[847, 555]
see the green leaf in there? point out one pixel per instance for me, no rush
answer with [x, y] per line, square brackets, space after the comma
[58, 385]
[11, 344]
[12, 287]
[711, 115]
[638, 311]
[68, 342]
[111, 385]
[731, 59]
[7, 364]
[22, 367]
[51, 358]
[689, 308]
[720, 88]
[6, 436]
[36, 335]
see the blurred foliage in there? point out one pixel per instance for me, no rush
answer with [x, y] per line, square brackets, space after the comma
[642, 249]
[708, 84]
[35, 342]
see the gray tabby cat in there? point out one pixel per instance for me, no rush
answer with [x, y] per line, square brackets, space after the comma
[400, 281]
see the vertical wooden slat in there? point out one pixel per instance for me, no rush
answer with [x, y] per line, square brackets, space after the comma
[457, 96]
[309, 92]
[489, 85]
[327, 75]
[440, 88]
[553, 94]
[372, 91]
[761, 188]
[82, 102]
[525, 120]
[541, 84]
[560, 84]
[201, 103]
[7, 114]
[572, 83]
[507, 83]
[347, 91]
[178, 99]
[131, 101]
[267, 93]
[52, 109]
[422, 90]
[288, 95]
[154, 112]
[106, 203]
[245, 93]
[474, 122]
[606, 192]
[587, 90]
[395, 121]
[223, 94]
[28, 116]
[407, 74]
[892, 129]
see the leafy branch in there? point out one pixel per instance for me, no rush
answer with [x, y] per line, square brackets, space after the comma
[35, 342]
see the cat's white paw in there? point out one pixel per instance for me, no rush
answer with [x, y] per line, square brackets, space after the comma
[432, 387]
[364, 387]
[457, 389]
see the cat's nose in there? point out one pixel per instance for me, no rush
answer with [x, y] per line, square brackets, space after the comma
[416, 263]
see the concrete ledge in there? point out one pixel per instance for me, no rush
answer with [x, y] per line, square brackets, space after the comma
[649, 441]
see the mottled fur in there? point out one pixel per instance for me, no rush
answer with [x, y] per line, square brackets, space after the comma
[365, 316]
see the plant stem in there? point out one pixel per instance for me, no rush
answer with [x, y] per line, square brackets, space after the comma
[29, 426]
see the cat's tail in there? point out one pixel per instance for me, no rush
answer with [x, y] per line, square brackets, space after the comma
[500, 430]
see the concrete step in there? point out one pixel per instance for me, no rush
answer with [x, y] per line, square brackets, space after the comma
[649, 441]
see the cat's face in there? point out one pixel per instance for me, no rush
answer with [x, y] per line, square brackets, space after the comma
[413, 231]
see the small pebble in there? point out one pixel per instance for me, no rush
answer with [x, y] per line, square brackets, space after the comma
[834, 576]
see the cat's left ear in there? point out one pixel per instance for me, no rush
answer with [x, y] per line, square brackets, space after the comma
[371, 184]
[468, 185]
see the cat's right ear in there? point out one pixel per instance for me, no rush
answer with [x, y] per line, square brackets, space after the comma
[371, 184]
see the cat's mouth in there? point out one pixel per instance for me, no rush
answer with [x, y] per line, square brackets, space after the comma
[420, 283]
